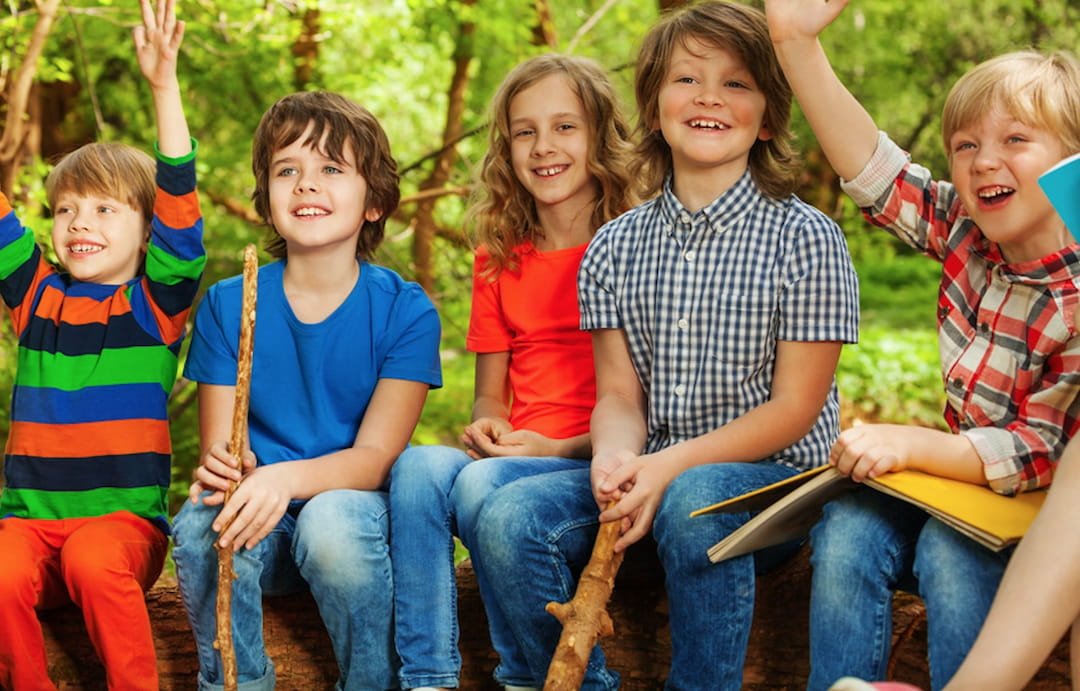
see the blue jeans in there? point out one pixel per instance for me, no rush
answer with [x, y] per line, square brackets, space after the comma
[536, 534]
[867, 545]
[336, 543]
[435, 493]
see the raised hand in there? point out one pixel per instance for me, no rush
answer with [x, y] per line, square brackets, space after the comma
[157, 43]
[800, 19]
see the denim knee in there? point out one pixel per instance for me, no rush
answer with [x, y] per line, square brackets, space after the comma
[360, 533]
[420, 470]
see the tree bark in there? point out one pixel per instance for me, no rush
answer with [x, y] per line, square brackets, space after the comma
[14, 137]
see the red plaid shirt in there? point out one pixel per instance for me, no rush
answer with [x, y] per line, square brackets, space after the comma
[1010, 352]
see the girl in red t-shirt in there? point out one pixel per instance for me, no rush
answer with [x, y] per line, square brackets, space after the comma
[555, 171]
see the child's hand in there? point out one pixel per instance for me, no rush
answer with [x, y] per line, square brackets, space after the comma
[258, 504]
[641, 483]
[483, 434]
[157, 43]
[520, 442]
[791, 20]
[217, 470]
[870, 451]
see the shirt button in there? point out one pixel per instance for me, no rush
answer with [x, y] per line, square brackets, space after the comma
[984, 328]
[958, 383]
[690, 255]
[683, 324]
[680, 390]
[684, 217]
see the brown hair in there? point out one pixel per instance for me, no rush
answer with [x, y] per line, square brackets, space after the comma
[504, 213]
[774, 163]
[106, 169]
[1039, 89]
[345, 125]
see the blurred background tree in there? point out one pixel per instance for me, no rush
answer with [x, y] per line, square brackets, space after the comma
[427, 69]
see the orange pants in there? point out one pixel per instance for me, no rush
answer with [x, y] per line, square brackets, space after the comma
[104, 565]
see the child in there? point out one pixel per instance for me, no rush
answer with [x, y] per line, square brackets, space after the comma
[555, 170]
[718, 310]
[345, 352]
[1009, 347]
[84, 512]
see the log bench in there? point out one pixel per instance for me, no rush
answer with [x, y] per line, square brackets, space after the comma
[777, 657]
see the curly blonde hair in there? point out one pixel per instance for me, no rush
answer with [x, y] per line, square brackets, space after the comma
[503, 213]
[774, 163]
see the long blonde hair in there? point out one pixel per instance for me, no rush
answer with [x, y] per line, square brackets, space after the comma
[503, 214]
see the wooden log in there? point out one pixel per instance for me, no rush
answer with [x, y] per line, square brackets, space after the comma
[777, 656]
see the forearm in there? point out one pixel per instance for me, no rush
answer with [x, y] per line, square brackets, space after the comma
[574, 447]
[617, 424]
[489, 406]
[944, 454]
[360, 467]
[1039, 596]
[174, 137]
[844, 129]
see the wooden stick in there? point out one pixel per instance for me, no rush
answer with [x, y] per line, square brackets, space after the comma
[237, 444]
[585, 618]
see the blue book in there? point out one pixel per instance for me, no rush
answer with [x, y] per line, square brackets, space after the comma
[1062, 187]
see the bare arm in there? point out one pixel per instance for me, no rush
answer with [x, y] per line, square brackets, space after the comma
[846, 132]
[157, 44]
[873, 450]
[1039, 596]
[801, 382]
[619, 424]
[264, 494]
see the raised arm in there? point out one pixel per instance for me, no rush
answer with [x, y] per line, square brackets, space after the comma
[846, 132]
[157, 44]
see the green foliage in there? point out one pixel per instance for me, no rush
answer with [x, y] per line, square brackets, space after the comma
[892, 375]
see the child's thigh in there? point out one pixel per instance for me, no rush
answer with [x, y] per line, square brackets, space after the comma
[116, 543]
[31, 563]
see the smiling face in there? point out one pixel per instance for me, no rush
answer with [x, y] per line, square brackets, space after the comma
[316, 203]
[711, 111]
[98, 239]
[549, 147]
[995, 164]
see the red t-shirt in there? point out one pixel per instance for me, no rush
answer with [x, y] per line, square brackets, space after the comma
[533, 314]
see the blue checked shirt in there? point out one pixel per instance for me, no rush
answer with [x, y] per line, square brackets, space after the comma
[703, 298]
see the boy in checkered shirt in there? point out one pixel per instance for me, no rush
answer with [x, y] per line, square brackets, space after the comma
[1009, 349]
[718, 310]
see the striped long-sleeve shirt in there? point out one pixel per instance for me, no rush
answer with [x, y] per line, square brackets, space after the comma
[89, 428]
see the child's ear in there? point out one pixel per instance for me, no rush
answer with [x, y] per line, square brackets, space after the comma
[371, 214]
[764, 134]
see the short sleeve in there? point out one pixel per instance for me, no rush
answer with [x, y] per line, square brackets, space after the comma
[413, 352]
[596, 290]
[212, 356]
[488, 330]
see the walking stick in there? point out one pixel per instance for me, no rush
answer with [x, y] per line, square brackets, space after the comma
[585, 618]
[237, 442]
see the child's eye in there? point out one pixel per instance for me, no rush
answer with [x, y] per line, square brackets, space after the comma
[285, 172]
[685, 80]
[332, 170]
[522, 133]
[105, 209]
[1016, 138]
[735, 84]
[963, 146]
[565, 126]
[62, 210]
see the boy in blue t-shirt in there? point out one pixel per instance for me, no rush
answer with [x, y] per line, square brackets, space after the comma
[345, 352]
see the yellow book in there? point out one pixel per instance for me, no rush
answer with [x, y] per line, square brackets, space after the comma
[791, 507]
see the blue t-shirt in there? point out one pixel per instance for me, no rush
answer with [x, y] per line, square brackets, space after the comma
[311, 383]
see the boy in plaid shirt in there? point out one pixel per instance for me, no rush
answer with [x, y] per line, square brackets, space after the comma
[1010, 354]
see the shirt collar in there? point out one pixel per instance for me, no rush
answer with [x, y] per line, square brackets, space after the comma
[1063, 265]
[721, 214]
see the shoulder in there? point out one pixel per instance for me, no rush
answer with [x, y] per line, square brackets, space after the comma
[390, 286]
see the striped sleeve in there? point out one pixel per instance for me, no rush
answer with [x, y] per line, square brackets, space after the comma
[175, 258]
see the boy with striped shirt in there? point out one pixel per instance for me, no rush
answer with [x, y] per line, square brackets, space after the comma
[83, 516]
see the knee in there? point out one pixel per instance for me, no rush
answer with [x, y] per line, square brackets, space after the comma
[360, 534]
[426, 468]
[472, 488]
[192, 527]
[18, 583]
